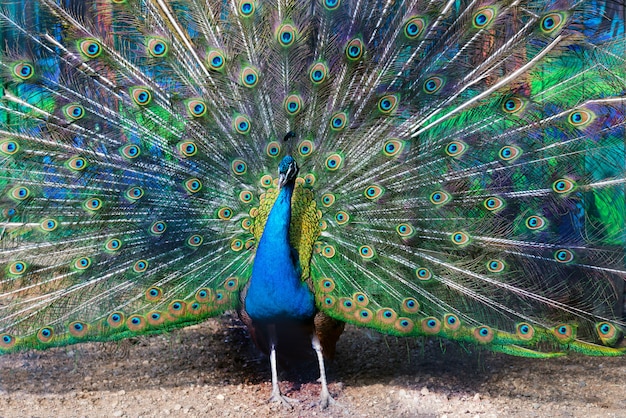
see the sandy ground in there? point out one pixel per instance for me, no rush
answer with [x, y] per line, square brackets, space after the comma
[213, 370]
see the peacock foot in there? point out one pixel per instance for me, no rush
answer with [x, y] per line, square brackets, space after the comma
[284, 401]
[326, 400]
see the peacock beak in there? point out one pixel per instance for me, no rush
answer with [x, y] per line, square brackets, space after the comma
[282, 179]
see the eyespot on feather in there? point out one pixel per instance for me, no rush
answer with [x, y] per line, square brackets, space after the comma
[387, 104]
[410, 305]
[177, 308]
[483, 334]
[74, 111]
[45, 334]
[246, 8]
[134, 193]
[493, 203]
[155, 318]
[130, 151]
[76, 163]
[363, 315]
[78, 329]
[272, 149]
[535, 223]
[93, 204]
[7, 341]
[563, 186]
[241, 124]
[451, 322]
[495, 266]
[158, 227]
[23, 70]
[565, 333]
[333, 162]
[331, 4]
[456, 148]
[249, 77]
[564, 256]
[140, 95]
[90, 48]
[373, 192]
[327, 285]
[423, 274]
[9, 147]
[386, 316]
[414, 27]
[113, 245]
[513, 105]
[286, 35]
[392, 147]
[328, 251]
[431, 325]
[19, 193]
[136, 323]
[405, 230]
[338, 121]
[196, 108]
[552, 22]
[482, 18]
[193, 185]
[355, 49]
[157, 47]
[187, 148]
[204, 295]
[433, 84]
[305, 148]
[115, 319]
[153, 294]
[17, 268]
[140, 266]
[236, 245]
[82, 263]
[342, 217]
[48, 225]
[440, 197]
[239, 167]
[318, 73]
[404, 325]
[216, 60]
[525, 331]
[459, 238]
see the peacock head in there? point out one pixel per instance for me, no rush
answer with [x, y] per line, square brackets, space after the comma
[287, 171]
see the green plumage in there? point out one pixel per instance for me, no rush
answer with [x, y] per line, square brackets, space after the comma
[462, 166]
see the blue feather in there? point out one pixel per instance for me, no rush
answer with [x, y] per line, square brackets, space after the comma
[276, 290]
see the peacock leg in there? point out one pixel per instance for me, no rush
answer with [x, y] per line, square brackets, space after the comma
[325, 398]
[276, 395]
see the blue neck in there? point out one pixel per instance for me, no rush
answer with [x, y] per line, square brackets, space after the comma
[276, 291]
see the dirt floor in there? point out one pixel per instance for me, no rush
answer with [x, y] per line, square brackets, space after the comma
[213, 370]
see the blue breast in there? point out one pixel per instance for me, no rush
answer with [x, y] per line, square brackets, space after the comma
[276, 292]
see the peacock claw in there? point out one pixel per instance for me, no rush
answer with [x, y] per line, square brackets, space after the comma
[326, 400]
[284, 401]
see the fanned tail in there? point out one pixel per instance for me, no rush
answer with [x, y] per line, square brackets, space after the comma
[462, 166]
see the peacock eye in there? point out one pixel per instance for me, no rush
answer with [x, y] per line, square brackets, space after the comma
[354, 49]
[90, 48]
[483, 17]
[157, 47]
[433, 84]
[414, 27]
[249, 77]
[216, 60]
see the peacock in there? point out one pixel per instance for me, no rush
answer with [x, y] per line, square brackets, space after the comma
[444, 168]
